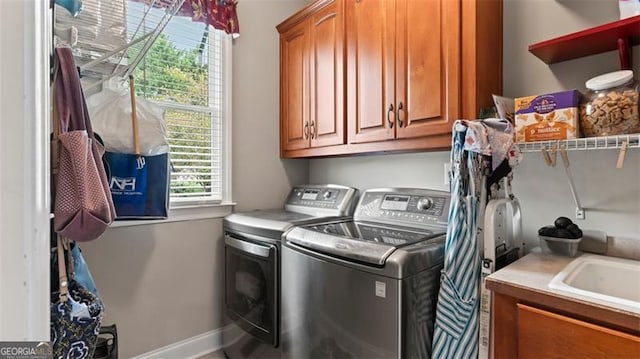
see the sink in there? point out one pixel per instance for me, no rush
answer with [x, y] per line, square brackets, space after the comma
[614, 281]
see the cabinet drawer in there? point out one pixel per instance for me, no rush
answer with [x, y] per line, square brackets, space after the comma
[543, 334]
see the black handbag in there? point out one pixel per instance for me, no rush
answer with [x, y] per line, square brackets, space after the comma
[76, 313]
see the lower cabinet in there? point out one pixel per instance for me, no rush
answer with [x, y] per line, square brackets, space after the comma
[544, 334]
[525, 331]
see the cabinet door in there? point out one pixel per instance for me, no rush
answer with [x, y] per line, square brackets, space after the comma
[570, 338]
[327, 76]
[428, 66]
[294, 88]
[370, 70]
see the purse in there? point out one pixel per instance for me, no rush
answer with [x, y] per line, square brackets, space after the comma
[76, 313]
[81, 272]
[83, 205]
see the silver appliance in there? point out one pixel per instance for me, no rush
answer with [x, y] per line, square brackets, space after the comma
[366, 287]
[252, 265]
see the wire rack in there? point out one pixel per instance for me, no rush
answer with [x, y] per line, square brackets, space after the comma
[110, 38]
[588, 143]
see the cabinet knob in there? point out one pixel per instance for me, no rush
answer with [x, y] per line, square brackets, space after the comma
[400, 110]
[389, 115]
[306, 130]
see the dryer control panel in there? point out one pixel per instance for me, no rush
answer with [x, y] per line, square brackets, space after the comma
[330, 197]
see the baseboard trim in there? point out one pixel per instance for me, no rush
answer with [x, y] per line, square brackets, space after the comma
[189, 348]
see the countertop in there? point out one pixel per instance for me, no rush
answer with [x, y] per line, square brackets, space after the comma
[527, 279]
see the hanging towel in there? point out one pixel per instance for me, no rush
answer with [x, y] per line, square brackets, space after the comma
[456, 326]
[482, 152]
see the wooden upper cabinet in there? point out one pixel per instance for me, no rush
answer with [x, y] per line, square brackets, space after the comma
[403, 68]
[312, 78]
[327, 76]
[427, 66]
[294, 88]
[363, 76]
[370, 70]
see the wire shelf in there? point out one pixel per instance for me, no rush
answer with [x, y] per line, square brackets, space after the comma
[110, 38]
[587, 143]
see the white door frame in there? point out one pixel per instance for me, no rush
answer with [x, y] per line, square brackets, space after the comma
[25, 36]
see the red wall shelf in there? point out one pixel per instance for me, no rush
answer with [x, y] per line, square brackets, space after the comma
[618, 35]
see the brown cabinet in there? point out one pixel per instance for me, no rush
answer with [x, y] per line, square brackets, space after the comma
[555, 328]
[312, 79]
[569, 337]
[327, 76]
[403, 68]
[370, 70]
[294, 88]
[363, 76]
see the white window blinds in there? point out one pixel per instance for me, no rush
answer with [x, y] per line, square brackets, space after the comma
[183, 72]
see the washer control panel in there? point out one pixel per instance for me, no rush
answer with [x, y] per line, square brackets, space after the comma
[404, 206]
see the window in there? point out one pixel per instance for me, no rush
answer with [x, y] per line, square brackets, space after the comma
[185, 72]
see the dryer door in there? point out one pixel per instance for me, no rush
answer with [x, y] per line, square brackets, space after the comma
[251, 286]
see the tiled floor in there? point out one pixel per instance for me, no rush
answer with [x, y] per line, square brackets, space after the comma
[215, 355]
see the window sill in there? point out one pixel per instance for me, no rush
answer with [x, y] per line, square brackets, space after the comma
[183, 213]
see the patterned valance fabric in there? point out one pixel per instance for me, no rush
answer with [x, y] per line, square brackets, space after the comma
[221, 14]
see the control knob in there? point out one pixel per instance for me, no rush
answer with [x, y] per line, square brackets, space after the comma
[326, 195]
[424, 204]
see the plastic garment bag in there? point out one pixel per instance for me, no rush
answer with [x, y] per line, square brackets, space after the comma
[110, 113]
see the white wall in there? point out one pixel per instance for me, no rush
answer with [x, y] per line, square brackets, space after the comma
[612, 197]
[260, 178]
[531, 21]
[160, 283]
[13, 267]
[395, 170]
[24, 205]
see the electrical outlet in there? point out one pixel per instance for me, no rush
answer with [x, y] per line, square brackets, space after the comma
[447, 169]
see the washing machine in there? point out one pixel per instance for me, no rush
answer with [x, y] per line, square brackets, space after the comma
[366, 287]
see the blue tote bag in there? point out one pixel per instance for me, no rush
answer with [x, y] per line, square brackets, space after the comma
[139, 185]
